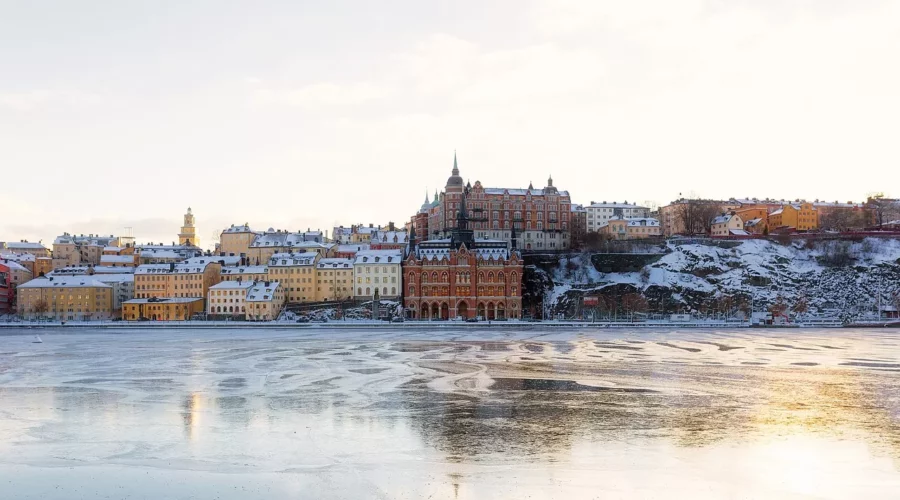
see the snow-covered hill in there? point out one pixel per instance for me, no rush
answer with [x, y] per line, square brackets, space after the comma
[832, 277]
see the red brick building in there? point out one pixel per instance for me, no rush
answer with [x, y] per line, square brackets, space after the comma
[542, 217]
[6, 290]
[461, 276]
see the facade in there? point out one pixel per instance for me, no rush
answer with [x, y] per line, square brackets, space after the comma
[245, 273]
[162, 309]
[236, 240]
[265, 301]
[540, 216]
[18, 273]
[122, 289]
[600, 213]
[349, 250]
[860, 215]
[38, 266]
[228, 299]
[7, 292]
[164, 254]
[29, 247]
[119, 260]
[755, 218]
[66, 298]
[461, 276]
[389, 240]
[73, 250]
[578, 223]
[630, 229]
[176, 280]
[727, 225]
[794, 216]
[334, 279]
[297, 274]
[188, 234]
[378, 271]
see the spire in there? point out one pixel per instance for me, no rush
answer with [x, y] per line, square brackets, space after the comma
[530, 185]
[550, 181]
[426, 195]
[412, 237]
[455, 166]
[435, 196]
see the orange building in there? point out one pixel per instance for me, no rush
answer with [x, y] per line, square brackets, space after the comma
[797, 216]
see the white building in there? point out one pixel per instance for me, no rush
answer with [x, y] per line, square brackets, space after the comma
[377, 269]
[600, 213]
[265, 300]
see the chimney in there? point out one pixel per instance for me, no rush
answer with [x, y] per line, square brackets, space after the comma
[371, 225]
[171, 267]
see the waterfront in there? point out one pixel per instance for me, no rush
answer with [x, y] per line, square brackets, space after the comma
[456, 413]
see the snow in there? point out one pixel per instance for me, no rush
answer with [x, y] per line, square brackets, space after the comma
[262, 292]
[64, 282]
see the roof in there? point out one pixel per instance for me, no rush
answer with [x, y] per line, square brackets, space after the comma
[164, 300]
[243, 228]
[346, 248]
[777, 212]
[261, 292]
[334, 263]
[722, 219]
[18, 257]
[484, 249]
[293, 259]
[225, 260]
[753, 222]
[273, 238]
[245, 270]
[232, 285]
[390, 237]
[632, 206]
[113, 249]
[114, 278]
[522, 192]
[738, 232]
[84, 270]
[114, 259]
[64, 282]
[91, 239]
[379, 257]
[13, 265]
[25, 245]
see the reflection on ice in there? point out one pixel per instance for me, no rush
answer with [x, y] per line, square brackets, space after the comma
[468, 414]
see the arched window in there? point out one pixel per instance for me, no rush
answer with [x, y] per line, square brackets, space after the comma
[368, 291]
[359, 291]
[500, 277]
[412, 290]
[491, 277]
[444, 277]
[434, 277]
[393, 290]
[384, 290]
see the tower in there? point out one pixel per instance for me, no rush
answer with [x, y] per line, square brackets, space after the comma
[188, 235]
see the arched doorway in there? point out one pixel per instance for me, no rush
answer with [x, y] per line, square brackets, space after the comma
[435, 311]
[481, 313]
[462, 309]
[424, 314]
[501, 311]
[445, 311]
[490, 310]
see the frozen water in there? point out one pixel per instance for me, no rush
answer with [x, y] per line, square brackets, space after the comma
[465, 413]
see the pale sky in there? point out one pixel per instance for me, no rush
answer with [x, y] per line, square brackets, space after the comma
[306, 114]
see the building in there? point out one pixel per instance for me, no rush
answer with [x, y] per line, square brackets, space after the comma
[672, 216]
[38, 266]
[162, 309]
[228, 299]
[181, 280]
[349, 250]
[245, 273]
[844, 216]
[272, 242]
[164, 254]
[66, 298]
[540, 216]
[620, 228]
[378, 272]
[758, 226]
[188, 234]
[462, 276]
[18, 273]
[297, 274]
[334, 279]
[600, 213]
[122, 289]
[578, 224]
[236, 240]
[29, 247]
[119, 260]
[794, 217]
[265, 301]
[88, 270]
[7, 292]
[389, 240]
[728, 224]
[73, 250]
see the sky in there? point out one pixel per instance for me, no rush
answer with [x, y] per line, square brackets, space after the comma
[300, 114]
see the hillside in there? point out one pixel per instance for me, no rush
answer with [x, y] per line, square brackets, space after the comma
[839, 278]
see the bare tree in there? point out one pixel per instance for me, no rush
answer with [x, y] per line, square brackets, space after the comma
[840, 219]
[801, 306]
[40, 307]
[883, 209]
[695, 216]
[779, 307]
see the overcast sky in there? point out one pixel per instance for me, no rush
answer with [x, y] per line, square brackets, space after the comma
[307, 114]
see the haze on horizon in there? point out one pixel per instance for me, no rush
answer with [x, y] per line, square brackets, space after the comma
[312, 114]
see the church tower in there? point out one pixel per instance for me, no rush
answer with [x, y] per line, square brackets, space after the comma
[188, 235]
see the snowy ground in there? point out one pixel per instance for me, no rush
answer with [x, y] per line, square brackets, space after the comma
[450, 414]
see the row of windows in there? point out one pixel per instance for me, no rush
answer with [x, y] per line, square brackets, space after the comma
[369, 280]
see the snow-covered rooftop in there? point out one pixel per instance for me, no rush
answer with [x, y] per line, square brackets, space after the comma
[378, 257]
[64, 282]
[179, 268]
[347, 248]
[224, 260]
[293, 259]
[521, 192]
[116, 259]
[24, 245]
[334, 263]
[164, 300]
[390, 237]
[232, 285]
[243, 228]
[273, 238]
[245, 270]
[13, 265]
[631, 206]
[262, 292]
[18, 257]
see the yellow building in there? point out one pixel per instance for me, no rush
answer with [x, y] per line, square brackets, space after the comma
[162, 309]
[272, 242]
[228, 299]
[179, 280]
[65, 298]
[755, 218]
[334, 279]
[245, 273]
[727, 225]
[796, 216]
[236, 240]
[188, 234]
[265, 301]
[630, 229]
[297, 274]
[81, 249]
